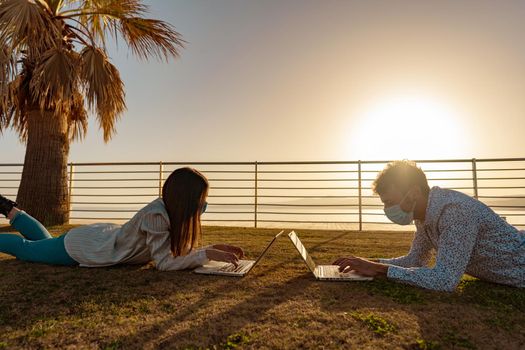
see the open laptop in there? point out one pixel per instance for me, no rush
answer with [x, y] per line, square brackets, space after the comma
[229, 269]
[324, 272]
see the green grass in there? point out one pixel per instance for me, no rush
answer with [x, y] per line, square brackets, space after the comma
[422, 344]
[279, 305]
[377, 324]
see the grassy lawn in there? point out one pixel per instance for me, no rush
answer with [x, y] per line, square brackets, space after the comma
[279, 305]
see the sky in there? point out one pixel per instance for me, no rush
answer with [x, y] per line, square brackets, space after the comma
[285, 80]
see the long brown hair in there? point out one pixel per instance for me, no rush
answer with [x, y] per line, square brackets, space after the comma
[184, 194]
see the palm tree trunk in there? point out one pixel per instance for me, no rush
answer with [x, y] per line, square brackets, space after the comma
[43, 191]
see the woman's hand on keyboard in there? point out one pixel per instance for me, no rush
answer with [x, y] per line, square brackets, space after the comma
[221, 255]
[231, 249]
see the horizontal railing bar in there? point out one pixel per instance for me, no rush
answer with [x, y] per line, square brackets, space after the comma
[117, 195]
[203, 220]
[232, 188]
[503, 197]
[157, 163]
[500, 169]
[305, 196]
[110, 187]
[459, 188]
[277, 171]
[118, 172]
[450, 179]
[305, 171]
[228, 212]
[230, 196]
[446, 170]
[226, 204]
[98, 218]
[310, 221]
[434, 179]
[250, 180]
[262, 212]
[220, 171]
[227, 220]
[302, 205]
[388, 161]
[104, 180]
[501, 178]
[378, 223]
[499, 187]
[306, 188]
[302, 180]
[104, 210]
[511, 214]
[302, 213]
[480, 160]
[110, 203]
[507, 206]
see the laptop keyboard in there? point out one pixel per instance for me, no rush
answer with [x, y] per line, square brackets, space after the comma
[329, 271]
[232, 268]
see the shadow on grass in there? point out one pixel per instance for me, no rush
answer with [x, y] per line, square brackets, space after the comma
[244, 301]
[139, 307]
[443, 318]
[41, 296]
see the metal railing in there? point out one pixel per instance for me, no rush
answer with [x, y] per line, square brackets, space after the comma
[323, 194]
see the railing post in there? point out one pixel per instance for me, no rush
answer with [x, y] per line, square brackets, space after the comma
[475, 177]
[360, 195]
[160, 178]
[255, 196]
[70, 189]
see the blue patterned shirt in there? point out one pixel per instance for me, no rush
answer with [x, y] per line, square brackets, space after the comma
[468, 237]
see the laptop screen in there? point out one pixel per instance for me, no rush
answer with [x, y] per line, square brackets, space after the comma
[266, 249]
[302, 250]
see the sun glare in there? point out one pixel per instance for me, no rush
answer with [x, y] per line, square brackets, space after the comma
[409, 126]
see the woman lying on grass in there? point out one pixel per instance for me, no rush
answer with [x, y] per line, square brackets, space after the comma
[165, 231]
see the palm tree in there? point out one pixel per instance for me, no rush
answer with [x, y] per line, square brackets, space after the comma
[55, 71]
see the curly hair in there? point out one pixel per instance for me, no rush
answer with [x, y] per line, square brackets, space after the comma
[402, 175]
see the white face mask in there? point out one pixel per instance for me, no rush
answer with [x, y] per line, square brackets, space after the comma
[398, 215]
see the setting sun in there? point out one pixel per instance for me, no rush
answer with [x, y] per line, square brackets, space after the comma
[408, 126]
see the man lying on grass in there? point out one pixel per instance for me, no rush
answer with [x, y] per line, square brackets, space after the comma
[467, 235]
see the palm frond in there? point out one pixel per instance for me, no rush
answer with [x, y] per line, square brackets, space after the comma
[8, 71]
[104, 89]
[77, 118]
[8, 68]
[55, 79]
[101, 16]
[24, 24]
[150, 37]
[18, 117]
[146, 37]
[54, 5]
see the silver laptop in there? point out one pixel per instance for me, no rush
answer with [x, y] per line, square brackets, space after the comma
[229, 269]
[324, 272]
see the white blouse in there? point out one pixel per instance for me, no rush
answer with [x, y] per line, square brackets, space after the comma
[143, 238]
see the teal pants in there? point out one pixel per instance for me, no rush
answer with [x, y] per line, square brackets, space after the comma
[37, 245]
